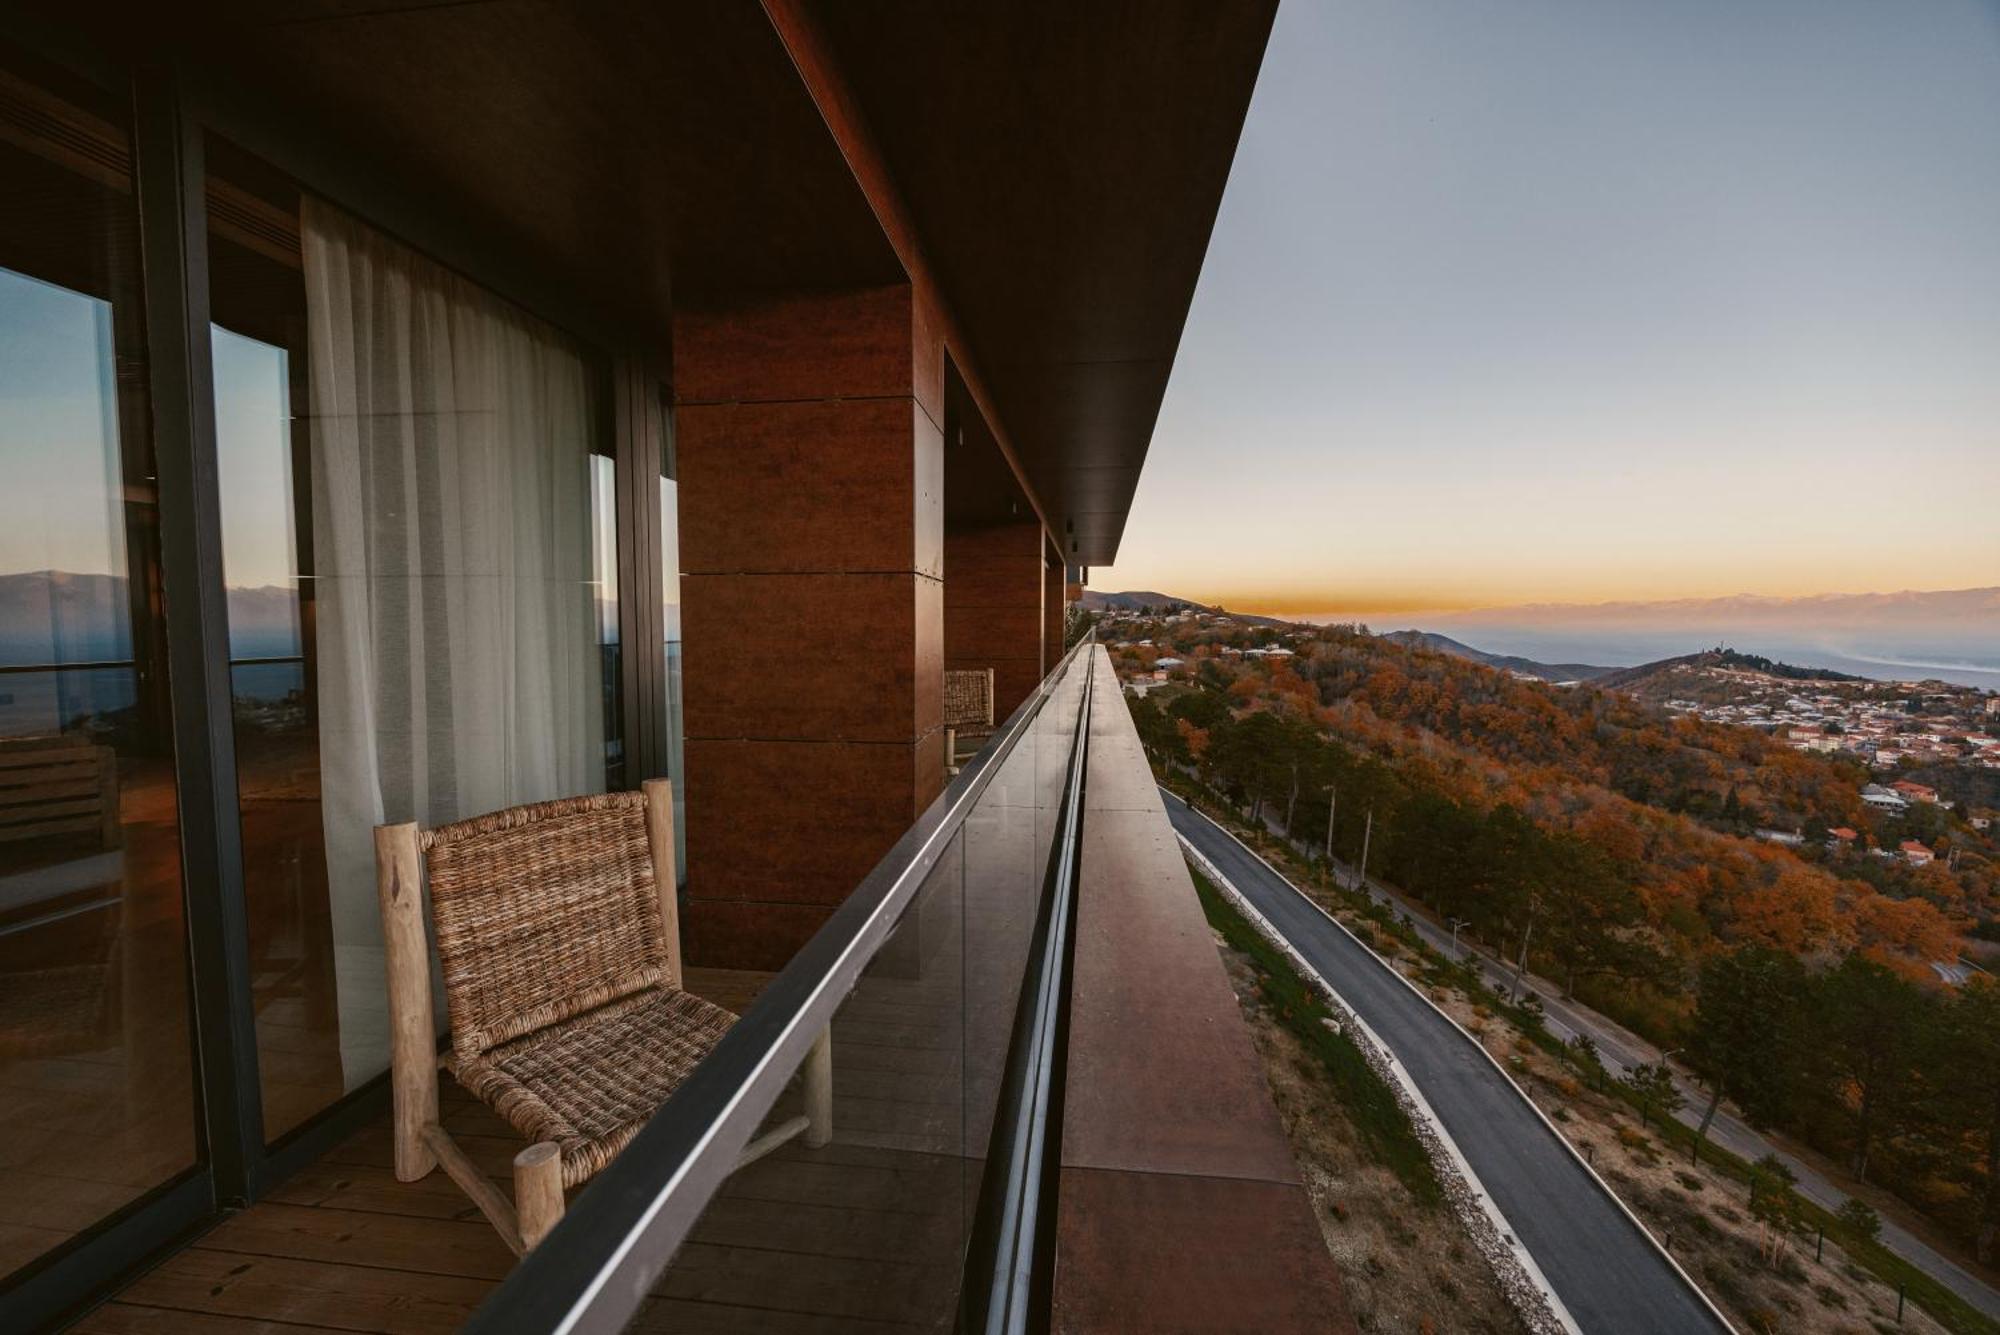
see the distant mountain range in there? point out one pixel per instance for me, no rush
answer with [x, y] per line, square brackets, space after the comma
[1444, 644]
[58, 616]
[1909, 607]
[1950, 635]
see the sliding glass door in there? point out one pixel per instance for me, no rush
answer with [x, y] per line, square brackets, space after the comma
[97, 1100]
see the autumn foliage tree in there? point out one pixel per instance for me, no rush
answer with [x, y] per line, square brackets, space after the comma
[1614, 846]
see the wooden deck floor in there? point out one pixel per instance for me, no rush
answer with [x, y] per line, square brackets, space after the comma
[863, 1234]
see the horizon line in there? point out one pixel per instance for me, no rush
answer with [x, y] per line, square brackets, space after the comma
[1280, 605]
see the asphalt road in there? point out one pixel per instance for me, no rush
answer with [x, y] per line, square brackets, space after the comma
[1621, 1050]
[1609, 1276]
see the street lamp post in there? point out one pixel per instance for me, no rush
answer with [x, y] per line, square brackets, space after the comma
[1367, 830]
[1527, 934]
[1332, 797]
[1456, 923]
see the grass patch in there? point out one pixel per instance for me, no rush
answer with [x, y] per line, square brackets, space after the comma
[1370, 1104]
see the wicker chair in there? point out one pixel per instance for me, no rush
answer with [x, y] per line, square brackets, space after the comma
[557, 934]
[968, 713]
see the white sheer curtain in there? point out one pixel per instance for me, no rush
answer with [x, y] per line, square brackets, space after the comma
[457, 626]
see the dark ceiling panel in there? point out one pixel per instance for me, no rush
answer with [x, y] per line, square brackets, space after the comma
[1063, 163]
[637, 152]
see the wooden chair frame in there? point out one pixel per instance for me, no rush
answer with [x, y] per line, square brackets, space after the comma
[421, 1141]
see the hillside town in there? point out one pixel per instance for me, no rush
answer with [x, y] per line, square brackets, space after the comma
[1882, 723]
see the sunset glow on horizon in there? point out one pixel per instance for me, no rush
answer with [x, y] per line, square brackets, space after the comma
[1541, 303]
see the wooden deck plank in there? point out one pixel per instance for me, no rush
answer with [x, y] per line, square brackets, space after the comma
[468, 1249]
[358, 1187]
[122, 1318]
[859, 1237]
[374, 1147]
[826, 1230]
[311, 1293]
[669, 1316]
[909, 1189]
[849, 1287]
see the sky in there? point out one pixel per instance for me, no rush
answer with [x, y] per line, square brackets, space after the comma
[59, 510]
[61, 506]
[1578, 300]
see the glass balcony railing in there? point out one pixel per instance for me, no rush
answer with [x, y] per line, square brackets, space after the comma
[940, 981]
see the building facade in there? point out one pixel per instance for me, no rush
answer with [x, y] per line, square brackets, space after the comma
[413, 410]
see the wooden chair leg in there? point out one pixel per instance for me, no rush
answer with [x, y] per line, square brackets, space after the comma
[406, 958]
[538, 1191]
[819, 1091]
[660, 838]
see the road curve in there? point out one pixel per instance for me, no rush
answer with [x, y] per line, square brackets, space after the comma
[1621, 1050]
[1609, 1276]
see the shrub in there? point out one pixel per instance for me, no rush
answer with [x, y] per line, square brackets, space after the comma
[1859, 1220]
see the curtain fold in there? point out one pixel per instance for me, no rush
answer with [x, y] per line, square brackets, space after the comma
[459, 669]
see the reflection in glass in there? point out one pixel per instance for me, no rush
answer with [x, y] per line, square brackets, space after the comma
[277, 746]
[96, 1095]
[604, 583]
[670, 619]
[876, 1226]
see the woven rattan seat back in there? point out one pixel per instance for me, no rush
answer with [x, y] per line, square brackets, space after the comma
[968, 698]
[542, 913]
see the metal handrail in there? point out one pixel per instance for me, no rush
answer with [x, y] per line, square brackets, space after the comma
[1020, 1254]
[106, 664]
[595, 1270]
[88, 665]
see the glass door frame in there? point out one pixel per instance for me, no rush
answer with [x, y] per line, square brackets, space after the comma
[174, 108]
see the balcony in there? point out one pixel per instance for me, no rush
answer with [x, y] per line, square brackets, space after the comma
[1046, 1111]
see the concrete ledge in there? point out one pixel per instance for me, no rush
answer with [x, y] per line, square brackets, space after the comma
[1181, 1207]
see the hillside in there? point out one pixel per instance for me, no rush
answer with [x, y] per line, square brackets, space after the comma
[1444, 644]
[1145, 600]
[1617, 846]
[1634, 678]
